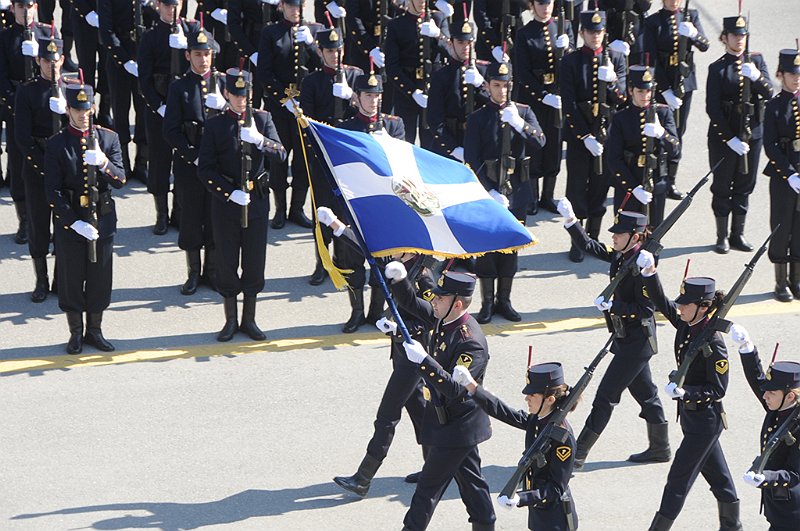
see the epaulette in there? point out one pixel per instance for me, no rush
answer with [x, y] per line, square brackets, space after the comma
[482, 62]
[390, 117]
[756, 53]
[466, 333]
[350, 68]
[101, 128]
[521, 105]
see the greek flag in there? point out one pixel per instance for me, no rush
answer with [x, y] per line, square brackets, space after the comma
[406, 199]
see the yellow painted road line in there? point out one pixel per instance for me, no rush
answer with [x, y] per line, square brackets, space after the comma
[338, 341]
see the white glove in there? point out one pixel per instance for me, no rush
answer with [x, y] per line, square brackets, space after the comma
[594, 147]
[290, 105]
[738, 146]
[473, 77]
[562, 41]
[92, 19]
[303, 34]
[94, 157]
[642, 195]
[446, 9]
[794, 182]
[673, 391]
[326, 216]
[741, 337]
[251, 136]
[430, 29]
[378, 57]
[254, 58]
[386, 326]
[462, 376]
[220, 15]
[271, 2]
[420, 98]
[564, 208]
[458, 153]
[342, 90]
[645, 260]
[5, 4]
[607, 73]
[85, 229]
[162, 110]
[687, 29]
[336, 11]
[655, 129]
[415, 352]
[753, 479]
[500, 198]
[511, 116]
[672, 100]
[132, 68]
[620, 47]
[58, 105]
[178, 41]
[552, 100]
[395, 270]
[30, 48]
[750, 70]
[240, 198]
[499, 55]
[602, 304]
[508, 503]
[214, 100]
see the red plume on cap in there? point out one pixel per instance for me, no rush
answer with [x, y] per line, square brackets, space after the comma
[530, 347]
[686, 271]
[466, 15]
[371, 65]
[241, 64]
[740, 7]
[646, 59]
[53, 30]
[80, 73]
[330, 21]
[624, 202]
[201, 20]
[774, 354]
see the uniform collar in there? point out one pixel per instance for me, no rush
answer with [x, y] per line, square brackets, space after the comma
[328, 70]
[591, 53]
[699, 325]
[452, 325]
[367, 119]
[632, 250]
[78, 134]
[205, 76]
[232, 114]
[288, 24]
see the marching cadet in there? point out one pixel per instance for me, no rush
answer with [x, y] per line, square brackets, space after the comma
[498, 144]
[17, 53]
[37, 113]
[190, 100]
[778, 390]
[453, 425]
[325, 96]
[730, 126]
[536, 62]
[546, 491]
[699, 400]
[245, 20]
[587, 119]
[632, 168]
[155, 61]
[408, 37]
[239, 211]
[285, 56]
[630, 316]
[662, 36]
[84, 216]
[489, 18]
[782, 146]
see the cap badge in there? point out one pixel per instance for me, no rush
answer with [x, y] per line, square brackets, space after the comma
[201, 38]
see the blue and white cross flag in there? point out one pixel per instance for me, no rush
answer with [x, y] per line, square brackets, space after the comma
[406, 199]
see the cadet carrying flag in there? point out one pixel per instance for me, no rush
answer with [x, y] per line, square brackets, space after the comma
[406, 199]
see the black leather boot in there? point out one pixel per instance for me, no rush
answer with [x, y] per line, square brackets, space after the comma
[249, 325]
[21, 236]
[175, 217]
[593, 227]
[658, 450]
[738, 240]
[279, 219]
[487, 300]
[104, 114]
[503, 304]
[482, 527]
[376, 303]
[75, 323]
[209, 276]
[357, 317]
[548, 189]
[140, 163]
[296, 214]
[586, 440]
[162, 214]
[660, 523]
[672, 190]
[533, 206]
[319, 274]
[359, 482]
[126, 162]
[782, 292]
[94, 332]
[722, 246]
[193, 279]
[42, 282]
[729, 516]
[794, 279]
[231, 320]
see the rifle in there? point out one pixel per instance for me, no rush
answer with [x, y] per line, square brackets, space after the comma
[93, 194]
[138, 21]
[508, 23]
[226, 34]
[302, 55]
[649, 161]
[558, 114]
[747, 108]
[628, 16]
[653, 243]
[247, 151]
[54, 92]
[781, 435]
[266, 14]
[682, 64]
[535, 454]
[424, 71]
[175, 59]
[27, 35]
[717, 322]
[601, 110]
[469, 106]
[338, 104]
[383, 18]
[570, 10]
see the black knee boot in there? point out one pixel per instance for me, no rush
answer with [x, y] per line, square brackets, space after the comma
[672, 190]
[482, 527]
[231, 320]
[576, 252]
[193, 272]
[162, 214]
[487, 300]
[357, 317]
[376, 303]
[660, 523]
[42, 282]
[75, 323]
[729, 516]
[782, 292]
[359, 482]
[548, 189]
[503, 303]
[794, 279]
[21, 237]
[249, 325]
[279, 219]
[94, 332]
[140, 163]
[586, 440]
[658, 450]
[533, 206]
[738, 240]
[593, 227]
[209, 276]
[722, 246]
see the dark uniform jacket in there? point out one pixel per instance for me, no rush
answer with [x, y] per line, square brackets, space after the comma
[65, 184]
[535, 65]
[724, 96]
[782, 135]
[280, 60]
[12, 62]
[33, 121]
[155, 60]
[660, 38]
[117, 30]
[364, 28]
[616, 15]
[489, 17]
[700, 410]
[382, 122]
[316, 93]
[245, 21]
[460, 342]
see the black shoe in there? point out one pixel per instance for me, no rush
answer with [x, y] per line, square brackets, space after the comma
[162, 215]
[487, 301]
[298, 217]
[722, 246]
[193, 278]
[359, 482]
[21, 236]
[318, 276]
[585, 441]
[357, 318]
[75, 323]
[674, 194]
[576, 254]
[94, 333]
[412, 478]
[737, 239]
[549, 205]
[794, 279]
[782, 292]
[249, 325]
[279, 220]
[42, 287]
[231, 320]
[533, 208]
[502, 305]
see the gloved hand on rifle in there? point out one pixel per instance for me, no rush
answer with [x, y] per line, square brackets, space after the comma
[753, 479]
[251, 136]
[794, 182]
[673, 391]
[214, 100]
[458, 153]
[386, 326]
[642, 195]
[655, 129]
[607, 73]
[562, 41]
[687, 29]
[420, 98]
[473, 77]
[162, 110]
[240, 197]
[672, 100]
[395, 271]
[508, 503]
[4, 5]
[378, 57]
[552, 100]
[415, 352]
[741, 337]
[499, 55]
[132, 68]
[446, 9]
[602, 304]
[336, 10]
[220, 15]
[620, 46]
[95, 157]
[304, 35]
[751, 71]
[738, 146]
[342, 90]
[92, 19]
[592, 144]
[30, 48]
[647, 263]
[511, 116]
[58, 105]
[430, 29]
[178, 41]
[85, 229]
[254, 58]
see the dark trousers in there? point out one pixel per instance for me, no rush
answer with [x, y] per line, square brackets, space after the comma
[731, 189]
[633, 374]
[39, 214]
[124, 89]
[686, 107]
[408, 111]
[442, 465]
[16, 183]
[699, 453]
[784, 208]
[345, 256]
[403, 390]
[83, 286]
[496, 265]
[586, 190]
[235, 246]
[286, 125]
[195, 227]
[159, 155]
[547, 161]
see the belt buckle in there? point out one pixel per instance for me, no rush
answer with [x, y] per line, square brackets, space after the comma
[673, 60]
[796, 145]
[84, 201]
[377, 31]
[642, 160]
[420, 73]
[426, 393]
[549, 78]
[595, 109]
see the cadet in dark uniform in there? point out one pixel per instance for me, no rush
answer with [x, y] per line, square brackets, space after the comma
[782, 146]
[732, 187]
[504, 175]
[83, 285]
[627, 157]
[220, 169]
[545, 490]
[365, 28]
[586, 121]
[191, 99]
[453, 424]
[85, 21]
[699, 400]
[285, 56]
[489, 19]
[246, 18]
[630, 315]
[536, 64]
[34, 123]
[661, 37]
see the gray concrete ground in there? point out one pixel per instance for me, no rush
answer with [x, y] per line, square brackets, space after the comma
[247, 436]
